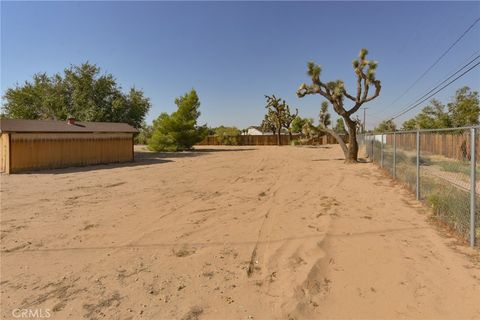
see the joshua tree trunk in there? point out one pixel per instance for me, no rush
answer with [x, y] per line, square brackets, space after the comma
[279, 132]
[352, 154]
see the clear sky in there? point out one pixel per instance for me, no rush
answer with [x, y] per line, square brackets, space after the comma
[233, 53]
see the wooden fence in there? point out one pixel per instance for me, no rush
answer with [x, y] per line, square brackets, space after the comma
[269, 140]
[447, 144]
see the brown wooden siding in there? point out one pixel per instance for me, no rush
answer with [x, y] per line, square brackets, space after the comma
[31, 151]
[5, 152]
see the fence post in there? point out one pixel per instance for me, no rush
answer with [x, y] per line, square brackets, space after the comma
[381, 152]
[373, 151]
[473, 182]
[394, 156]
[417, 183]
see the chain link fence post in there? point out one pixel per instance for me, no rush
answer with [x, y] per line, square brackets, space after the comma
[381, 152]
[394, 171]
[473, 182]
[373, 151]
[417, 182]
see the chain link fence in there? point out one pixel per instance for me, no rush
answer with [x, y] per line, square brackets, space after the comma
[440, 166]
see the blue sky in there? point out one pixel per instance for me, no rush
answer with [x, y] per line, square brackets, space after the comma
[233, 53]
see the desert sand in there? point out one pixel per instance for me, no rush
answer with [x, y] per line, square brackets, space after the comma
[229, 233]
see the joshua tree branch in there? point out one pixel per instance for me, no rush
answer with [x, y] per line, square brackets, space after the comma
[337, 137]
[378, 87]
[349, 96]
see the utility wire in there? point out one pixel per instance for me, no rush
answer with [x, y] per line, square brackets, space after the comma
[464, 66]
[420, 102]
[438, 85]
[442, 82]
[451, 76]
[435, 63]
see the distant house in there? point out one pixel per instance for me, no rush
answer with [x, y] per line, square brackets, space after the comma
[257, 131]
[41, 144]
[254, 131]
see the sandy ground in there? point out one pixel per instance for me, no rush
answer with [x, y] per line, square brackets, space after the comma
[228, 233]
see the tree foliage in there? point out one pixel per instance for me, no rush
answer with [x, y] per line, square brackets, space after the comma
[179, 131]
[386, 126]
[227, 135]
[335, 93]
[298, 122]
[462, 111]
[145, 132]
[82, 92]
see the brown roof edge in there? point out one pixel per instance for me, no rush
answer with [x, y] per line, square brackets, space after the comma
[21, 125]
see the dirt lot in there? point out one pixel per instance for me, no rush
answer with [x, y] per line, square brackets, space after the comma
[228, 233]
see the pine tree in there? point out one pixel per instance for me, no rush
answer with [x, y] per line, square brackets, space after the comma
[178, 131]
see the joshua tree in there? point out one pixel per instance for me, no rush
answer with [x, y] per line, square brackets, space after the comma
[288, 119]
[309, 130]
[275, 116]
[335, 93]
[278, 116]
[324, 116]
[268, 123]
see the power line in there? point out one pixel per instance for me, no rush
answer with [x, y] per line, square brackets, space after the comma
[438, 85]
[436, 62]
[451, 76]
[461, 65]
[417, 104]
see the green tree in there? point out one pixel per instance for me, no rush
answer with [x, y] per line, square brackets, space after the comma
[82, 92]
[410, 124]
[335, 93]
[464, 109]
[227, 135]
[386, 126]
[144, 134]
[433, 116]
[179, 131]
[298, 122]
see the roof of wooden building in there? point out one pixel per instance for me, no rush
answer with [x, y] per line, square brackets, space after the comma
[20, 125]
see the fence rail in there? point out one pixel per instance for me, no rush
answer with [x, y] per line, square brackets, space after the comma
[270, 140]
[440, 166]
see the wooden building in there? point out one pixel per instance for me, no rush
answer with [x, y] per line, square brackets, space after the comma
[27, 145]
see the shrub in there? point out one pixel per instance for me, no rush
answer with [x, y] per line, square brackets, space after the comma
[227, 135]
